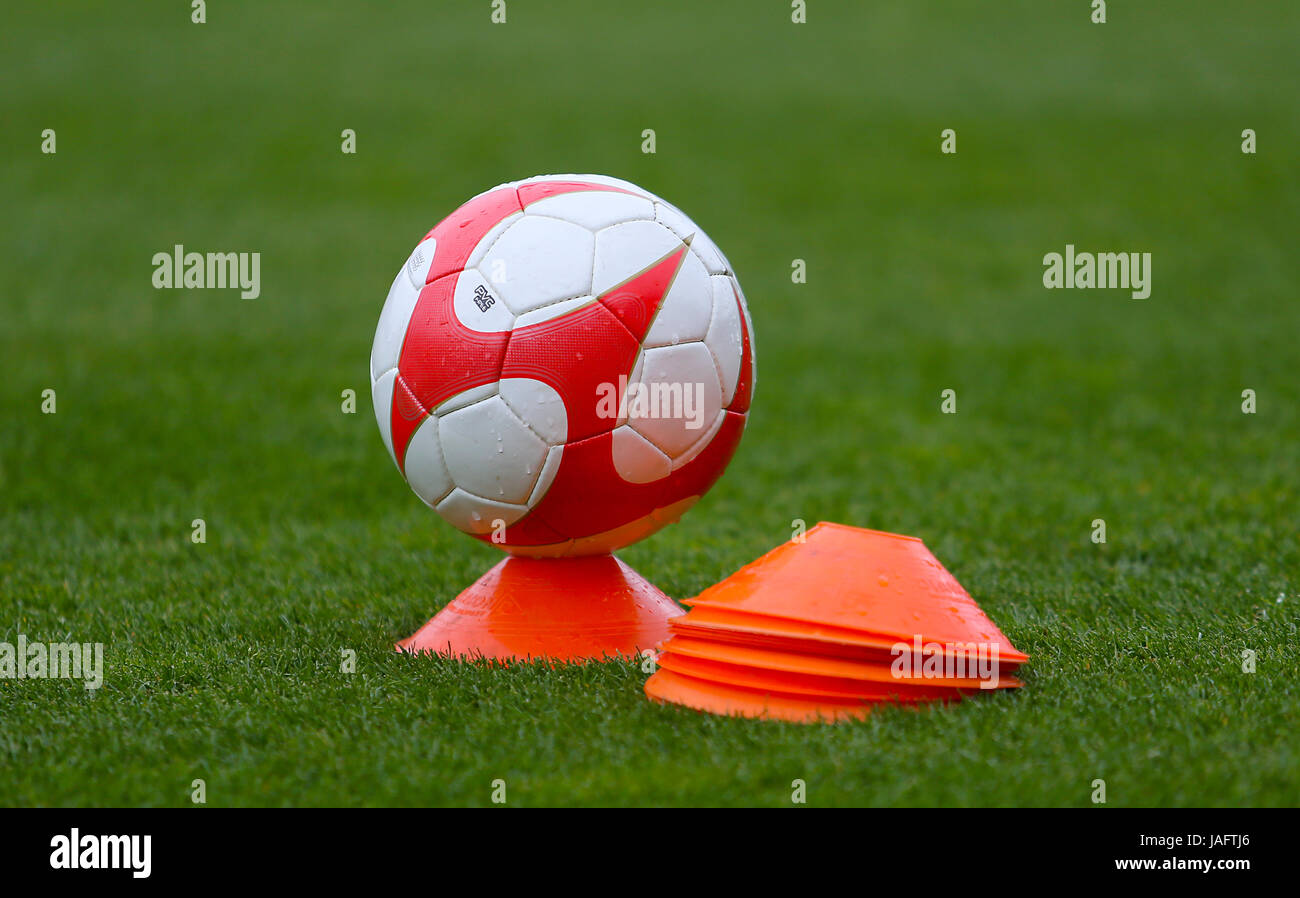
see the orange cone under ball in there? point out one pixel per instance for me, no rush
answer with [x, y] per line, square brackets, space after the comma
[559, 609]
[824, 628]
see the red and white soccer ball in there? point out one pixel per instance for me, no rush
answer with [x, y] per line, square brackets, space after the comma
[563, 365]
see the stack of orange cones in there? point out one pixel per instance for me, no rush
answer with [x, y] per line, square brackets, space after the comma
[824, 627]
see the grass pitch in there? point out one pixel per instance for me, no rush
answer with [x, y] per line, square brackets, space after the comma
[818, 142]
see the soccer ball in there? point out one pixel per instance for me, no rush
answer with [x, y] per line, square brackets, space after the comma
[563, 365]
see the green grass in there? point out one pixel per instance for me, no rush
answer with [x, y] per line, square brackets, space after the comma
[818, 142]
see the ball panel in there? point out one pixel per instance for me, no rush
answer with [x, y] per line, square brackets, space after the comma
[724, 338]
[705, 249]
[710, 255]
[393, 323]
[554, 456]
[467, 397]
[594, 209]
[749, 360]
[553, 310]
[489, 239]
[625, 250]
[702, 443]
[490, 452]
[539, 261]
[636, 459]
[477, 306]
[420, 262]
[381, 395]
[425, 471]
[675, 220]
[538, 406]
[477, 515]
[687, 307]
[681, 397]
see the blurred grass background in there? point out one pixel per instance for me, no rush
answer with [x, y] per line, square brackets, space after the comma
[816, 141]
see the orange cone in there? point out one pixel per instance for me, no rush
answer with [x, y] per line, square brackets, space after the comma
[808, 664]
[807, 684]
[760, 630]
[563, 609]
[856, 579]
[822, 628]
